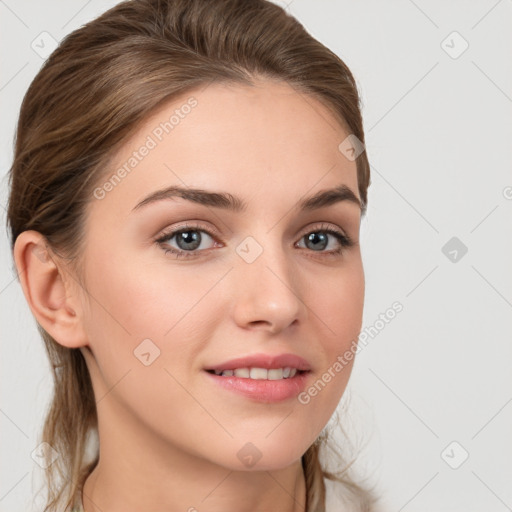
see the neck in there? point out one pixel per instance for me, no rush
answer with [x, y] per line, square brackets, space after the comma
[138, 471]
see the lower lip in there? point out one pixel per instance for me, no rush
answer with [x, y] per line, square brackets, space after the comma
[264, 390]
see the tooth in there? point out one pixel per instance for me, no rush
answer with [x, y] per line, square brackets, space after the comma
[242, 372]
[259, 373]
[275, 374]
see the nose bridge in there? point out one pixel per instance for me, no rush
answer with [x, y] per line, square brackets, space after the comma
[268, 289]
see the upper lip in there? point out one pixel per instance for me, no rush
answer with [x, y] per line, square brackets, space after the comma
[269, 361]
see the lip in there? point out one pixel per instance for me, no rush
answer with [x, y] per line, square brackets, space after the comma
[268, 361]
[266, 391]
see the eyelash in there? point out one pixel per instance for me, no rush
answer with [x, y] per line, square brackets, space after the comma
[344, 240]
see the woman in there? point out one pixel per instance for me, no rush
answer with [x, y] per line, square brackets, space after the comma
[186, 195]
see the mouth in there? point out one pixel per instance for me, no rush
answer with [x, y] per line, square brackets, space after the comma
[256, 373]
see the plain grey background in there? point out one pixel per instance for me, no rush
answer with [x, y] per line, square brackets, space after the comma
[431, 391]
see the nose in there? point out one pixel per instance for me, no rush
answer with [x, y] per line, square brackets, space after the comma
[268, 292]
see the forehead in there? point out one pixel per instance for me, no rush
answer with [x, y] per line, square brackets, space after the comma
[263, 141]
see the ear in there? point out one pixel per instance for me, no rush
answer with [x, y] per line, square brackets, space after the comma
[53, 299]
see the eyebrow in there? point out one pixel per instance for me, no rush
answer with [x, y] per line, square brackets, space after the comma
[227, 201]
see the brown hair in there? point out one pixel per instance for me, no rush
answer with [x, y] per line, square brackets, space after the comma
[91, 94]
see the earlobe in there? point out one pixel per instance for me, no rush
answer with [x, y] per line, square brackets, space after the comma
[49, 295]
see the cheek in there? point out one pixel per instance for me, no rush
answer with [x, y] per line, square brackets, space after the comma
[144, 299]
[136, 309]
[337, 311]
[337, 307]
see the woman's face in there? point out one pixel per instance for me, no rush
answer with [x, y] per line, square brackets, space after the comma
[265, 279]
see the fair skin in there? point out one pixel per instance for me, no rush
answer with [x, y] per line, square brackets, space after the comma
[169, 438]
